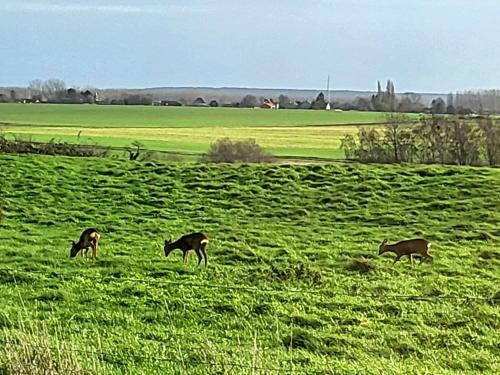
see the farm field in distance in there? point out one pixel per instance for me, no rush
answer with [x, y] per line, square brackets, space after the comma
[295, 133]
[294, 282]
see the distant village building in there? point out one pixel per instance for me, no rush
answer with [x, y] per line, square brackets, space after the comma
[199, 102]
[303, 105]
[231, 105]
[88, 96]
[171, 103]
[320, 102]
[72, 96]
[269, 104]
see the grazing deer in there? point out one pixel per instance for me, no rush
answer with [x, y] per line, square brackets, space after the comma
[408, 247]
[89, 238]
[197, 241]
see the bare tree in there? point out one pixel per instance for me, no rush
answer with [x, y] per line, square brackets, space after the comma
[491, 133]
[133, 155]
[399, 138]
[36, 86]
[54, 87]
[411, 102]
[348, 144]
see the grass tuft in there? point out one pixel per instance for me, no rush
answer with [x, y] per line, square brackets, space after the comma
[301, 339]
[361, 265]
[34, 351]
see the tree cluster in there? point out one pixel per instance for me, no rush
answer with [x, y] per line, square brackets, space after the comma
[443, 140]
[384, 101]
[481, 102]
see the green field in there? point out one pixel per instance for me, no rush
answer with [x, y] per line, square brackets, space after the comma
[67, 115]
[294, 283]
[295, 133]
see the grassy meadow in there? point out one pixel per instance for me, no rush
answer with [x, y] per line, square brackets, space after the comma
[123, 116]
[294, 282]
[189, 130]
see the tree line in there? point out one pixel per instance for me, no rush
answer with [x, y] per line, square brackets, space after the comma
[383, 100]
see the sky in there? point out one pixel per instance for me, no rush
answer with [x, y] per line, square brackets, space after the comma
[422, 45]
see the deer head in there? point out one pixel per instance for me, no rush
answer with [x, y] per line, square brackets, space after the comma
[382, 248]
[167, 248]
[75, 248]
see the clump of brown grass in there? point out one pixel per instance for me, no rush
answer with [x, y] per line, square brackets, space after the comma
[361, 265]
[36, 352]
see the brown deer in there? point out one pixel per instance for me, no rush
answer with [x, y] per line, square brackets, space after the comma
[89, 238]
[408, 247]
[197, 241]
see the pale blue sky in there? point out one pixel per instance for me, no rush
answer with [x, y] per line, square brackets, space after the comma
[423, 45]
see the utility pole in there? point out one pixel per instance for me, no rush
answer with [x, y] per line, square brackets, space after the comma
[328, 93]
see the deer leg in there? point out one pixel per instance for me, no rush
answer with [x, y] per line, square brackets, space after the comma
[185, 256]
[204, 253]
[94, 251]
[423, 258]
[200, 257]
[398, 257]
[411, 259]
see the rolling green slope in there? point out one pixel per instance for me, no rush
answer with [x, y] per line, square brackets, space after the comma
[294, 282]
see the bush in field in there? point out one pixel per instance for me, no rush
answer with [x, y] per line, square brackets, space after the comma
[227, 151]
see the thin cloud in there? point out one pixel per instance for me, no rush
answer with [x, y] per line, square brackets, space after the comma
[94, 8]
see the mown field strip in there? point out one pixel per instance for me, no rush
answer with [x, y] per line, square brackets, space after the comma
[290, 141]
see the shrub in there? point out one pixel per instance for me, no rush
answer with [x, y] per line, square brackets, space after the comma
[52, 147]
[227, 151]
